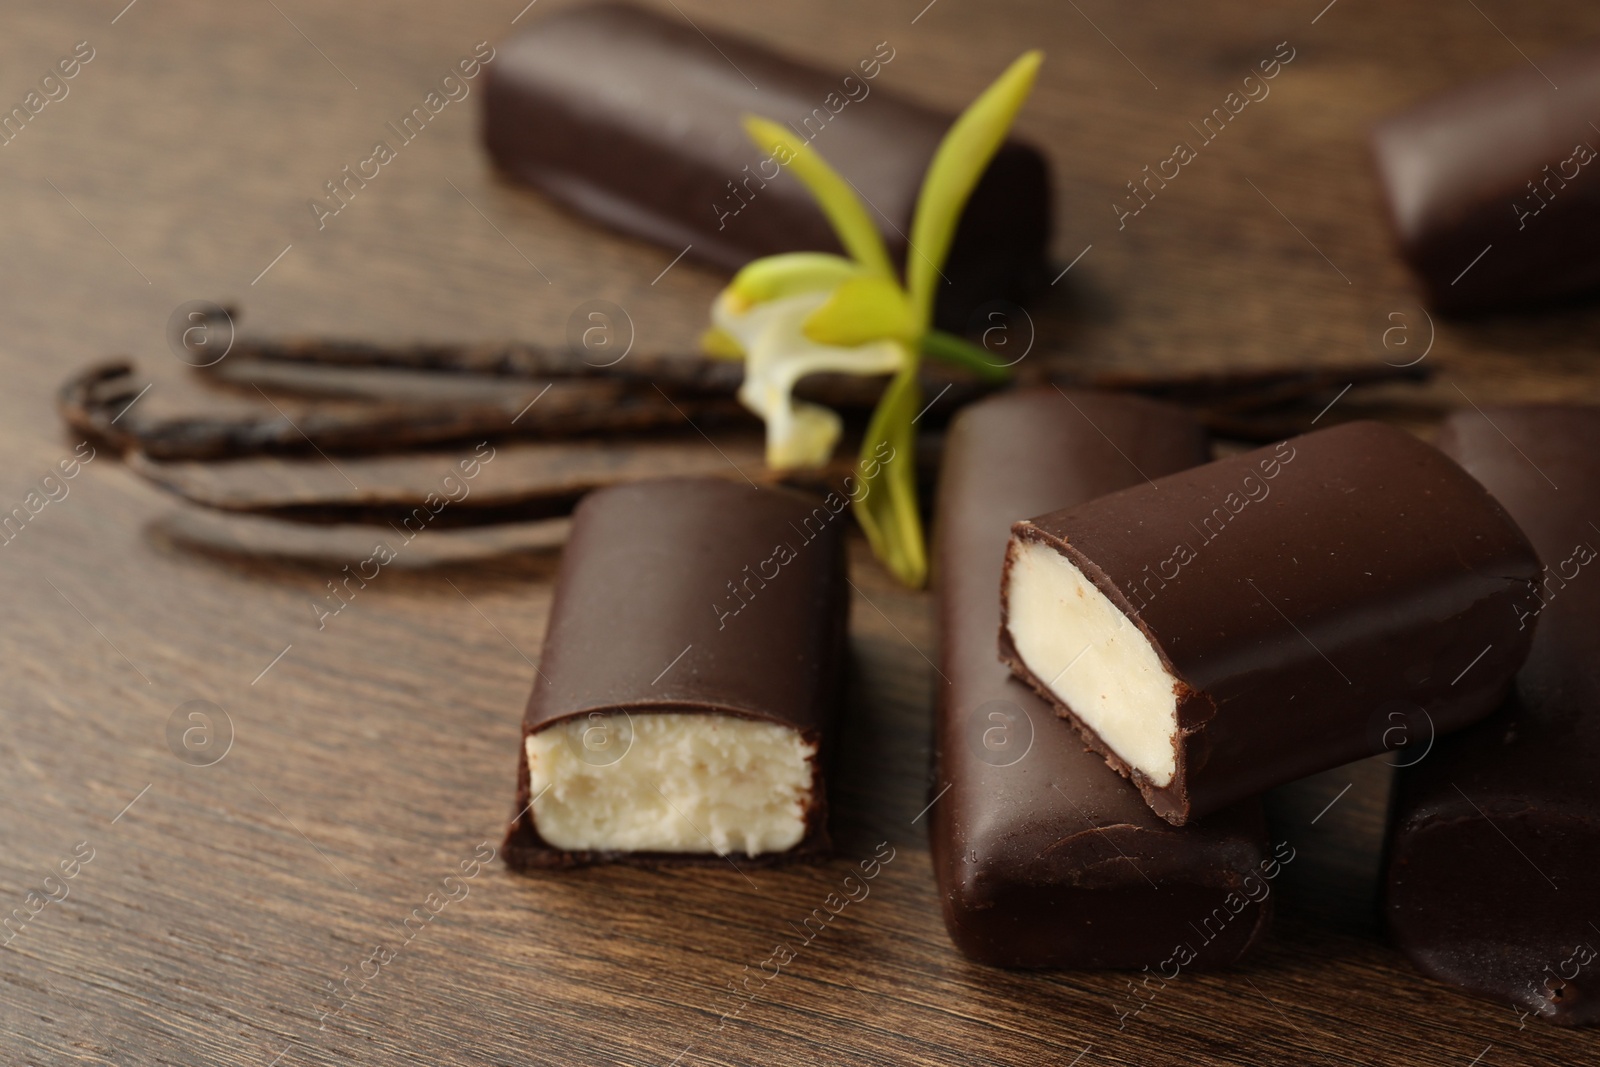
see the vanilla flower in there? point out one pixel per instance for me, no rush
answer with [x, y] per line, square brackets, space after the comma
[803, 313]
[771, 312]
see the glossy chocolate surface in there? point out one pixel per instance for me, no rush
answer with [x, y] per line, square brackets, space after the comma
[1494, 187]
[1045, 856]
[633, 118]
[1492, 879]
[1295, 591]
[693, 595]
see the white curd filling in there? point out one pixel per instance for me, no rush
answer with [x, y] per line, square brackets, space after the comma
[669, 782]
[1092, 658]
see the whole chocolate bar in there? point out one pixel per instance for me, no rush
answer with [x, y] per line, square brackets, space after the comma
[1045, 856]
[1493, 188]
[634, 119]
[1233, 627]
[690, 674]
[1491, 875]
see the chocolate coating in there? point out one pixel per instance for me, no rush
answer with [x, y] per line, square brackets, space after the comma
[633, 119]
[644, 620]
[1504, 168]
[1294, 591]
[1491, 879]
[1043, 853]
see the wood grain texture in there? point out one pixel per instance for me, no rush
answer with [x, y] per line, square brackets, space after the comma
[370, 758]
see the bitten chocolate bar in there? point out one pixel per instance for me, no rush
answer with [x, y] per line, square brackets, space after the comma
[690, 675]
[1233, 627]
[1045, 856]
[1491, 876]
[1493, 187]
[634, 119]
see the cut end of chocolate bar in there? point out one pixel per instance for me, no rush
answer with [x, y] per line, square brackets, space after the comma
[1070, 640]
[670, 782]
[689, 681]
[1228, 628]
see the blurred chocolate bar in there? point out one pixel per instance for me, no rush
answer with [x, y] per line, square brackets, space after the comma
[1493, 188]
[634, 119]
[1490, 882]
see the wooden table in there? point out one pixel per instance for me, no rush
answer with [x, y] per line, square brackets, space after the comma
[230, 910]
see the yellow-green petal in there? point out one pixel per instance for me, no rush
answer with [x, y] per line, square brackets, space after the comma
[865, 308]
[775, 277]
[720, 344]
[960, 161]
[837, 197]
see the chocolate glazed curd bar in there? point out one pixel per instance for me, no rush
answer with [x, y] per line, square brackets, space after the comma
[1046, 857]
[1226, 629]
[1493, 187]
[690, 676]
[634, 119]
[1491, 881]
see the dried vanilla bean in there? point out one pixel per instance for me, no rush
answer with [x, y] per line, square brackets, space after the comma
[516, 482]
[499, 359]
[94, 403]
[682, 375]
